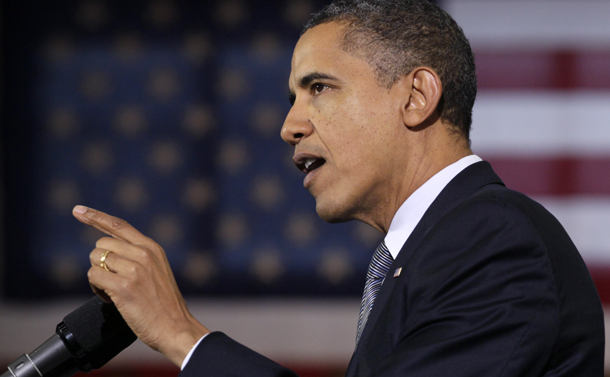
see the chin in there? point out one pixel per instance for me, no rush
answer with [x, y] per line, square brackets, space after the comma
[332, 212]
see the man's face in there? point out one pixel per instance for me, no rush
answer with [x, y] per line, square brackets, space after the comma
[346, 129]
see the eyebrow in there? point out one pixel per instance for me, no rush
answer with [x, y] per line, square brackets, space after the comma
[307, 80]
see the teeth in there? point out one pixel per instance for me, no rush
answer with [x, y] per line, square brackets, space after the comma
[308, 162]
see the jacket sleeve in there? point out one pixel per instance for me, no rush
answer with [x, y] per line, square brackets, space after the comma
[220, 356]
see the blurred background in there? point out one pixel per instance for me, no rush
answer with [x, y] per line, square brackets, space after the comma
[167, 114]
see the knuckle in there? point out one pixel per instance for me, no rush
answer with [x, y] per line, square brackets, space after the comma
[158, 250]
[95, 215]
[95, 256]
[102, 241]
[118, 224]
[145, 256]
[91, 274]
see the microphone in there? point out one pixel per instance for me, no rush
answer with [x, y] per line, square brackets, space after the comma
[86, 339]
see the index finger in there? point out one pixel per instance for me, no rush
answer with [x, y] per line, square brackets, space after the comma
[111, 225]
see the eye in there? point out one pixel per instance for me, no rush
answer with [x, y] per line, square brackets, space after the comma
[318, 88]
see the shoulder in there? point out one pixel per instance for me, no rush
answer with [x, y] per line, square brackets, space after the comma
[490, 239]
[492, 214]
[498, 212]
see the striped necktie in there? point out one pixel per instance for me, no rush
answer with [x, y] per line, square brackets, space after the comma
[378, 269]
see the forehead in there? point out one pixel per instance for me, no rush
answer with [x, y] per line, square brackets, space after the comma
[319, 51]
[320, 39]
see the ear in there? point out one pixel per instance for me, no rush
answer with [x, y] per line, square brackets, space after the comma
[422, 91]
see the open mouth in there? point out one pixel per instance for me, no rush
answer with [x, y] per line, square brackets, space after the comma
[309, 164]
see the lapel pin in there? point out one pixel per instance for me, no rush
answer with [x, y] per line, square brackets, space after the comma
[397, 272]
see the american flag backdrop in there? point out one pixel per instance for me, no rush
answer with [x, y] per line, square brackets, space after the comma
[167, 114]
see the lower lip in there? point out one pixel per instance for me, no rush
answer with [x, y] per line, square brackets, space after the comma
[310, 176]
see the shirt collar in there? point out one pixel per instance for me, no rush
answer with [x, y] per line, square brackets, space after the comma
[413, 209]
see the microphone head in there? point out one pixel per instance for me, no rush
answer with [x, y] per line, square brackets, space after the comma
[100, 331]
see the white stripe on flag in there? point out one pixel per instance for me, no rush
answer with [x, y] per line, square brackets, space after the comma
[542, 24]
[541, 123]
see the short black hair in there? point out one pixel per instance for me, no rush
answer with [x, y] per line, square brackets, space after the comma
[397, 36]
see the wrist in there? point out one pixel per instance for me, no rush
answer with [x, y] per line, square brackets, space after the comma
[183, 341]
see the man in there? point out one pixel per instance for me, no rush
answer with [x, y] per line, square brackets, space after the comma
[473, 279]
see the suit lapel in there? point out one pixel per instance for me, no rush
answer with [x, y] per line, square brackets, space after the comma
[466, 183]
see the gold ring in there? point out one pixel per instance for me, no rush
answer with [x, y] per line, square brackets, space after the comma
[103, 260]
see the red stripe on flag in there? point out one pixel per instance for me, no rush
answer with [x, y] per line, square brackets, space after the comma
[543, 70]
[554, 176]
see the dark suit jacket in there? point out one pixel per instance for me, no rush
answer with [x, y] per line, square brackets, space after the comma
[491, 285]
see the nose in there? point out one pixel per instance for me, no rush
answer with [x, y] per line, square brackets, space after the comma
[297, 126]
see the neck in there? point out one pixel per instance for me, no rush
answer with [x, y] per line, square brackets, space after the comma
[428, 155]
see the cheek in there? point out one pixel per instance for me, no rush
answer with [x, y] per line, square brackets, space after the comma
[354, 130]
[369, 133]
